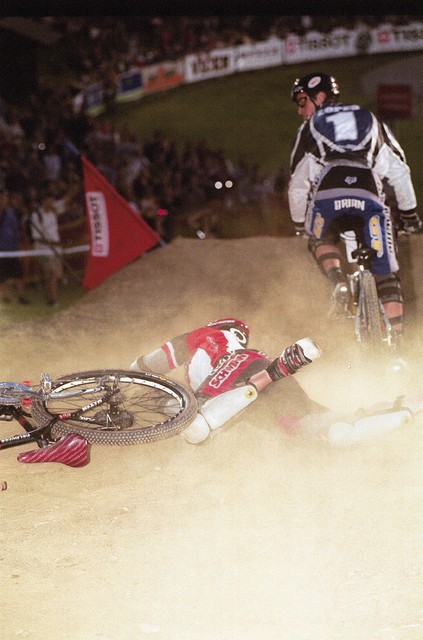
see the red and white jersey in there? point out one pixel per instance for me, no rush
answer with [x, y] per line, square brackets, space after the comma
[215, 356]
[233, 370]
[207, 347]
[214, 359]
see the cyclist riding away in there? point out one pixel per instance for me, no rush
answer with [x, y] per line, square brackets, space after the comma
[341, 155]
[226, 375]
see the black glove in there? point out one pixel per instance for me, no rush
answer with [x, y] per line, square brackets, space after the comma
[411, 222]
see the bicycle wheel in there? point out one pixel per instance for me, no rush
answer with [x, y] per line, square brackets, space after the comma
[373, 320]
[141, 407]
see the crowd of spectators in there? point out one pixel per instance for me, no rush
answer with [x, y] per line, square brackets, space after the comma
[38, 140]
[102, 47]
[37, 152]
[153, 175]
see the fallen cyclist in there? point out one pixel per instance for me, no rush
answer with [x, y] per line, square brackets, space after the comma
[225, 374]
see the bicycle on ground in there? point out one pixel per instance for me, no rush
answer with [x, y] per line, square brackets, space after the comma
[112, 407]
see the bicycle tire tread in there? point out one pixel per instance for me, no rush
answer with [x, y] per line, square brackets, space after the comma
[372, 305]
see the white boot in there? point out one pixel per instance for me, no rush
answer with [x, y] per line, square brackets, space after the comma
[293, 358]
[311, 349]
[217, 411]
[341, 434]
[373, 427]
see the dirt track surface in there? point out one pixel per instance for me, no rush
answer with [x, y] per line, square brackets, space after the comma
[254, 534]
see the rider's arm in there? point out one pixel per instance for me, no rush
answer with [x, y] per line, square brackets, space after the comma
[300, 184]
[390, 163]
[305, 165]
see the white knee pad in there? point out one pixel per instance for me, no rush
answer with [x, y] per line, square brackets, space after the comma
[222, 408]
[197, 431]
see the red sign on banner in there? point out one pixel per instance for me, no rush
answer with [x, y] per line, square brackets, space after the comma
[118, 233]
[394, 101]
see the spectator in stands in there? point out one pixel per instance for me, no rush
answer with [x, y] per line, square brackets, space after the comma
[20, 206]
[52, 162]
[44, 226]
[10, 239]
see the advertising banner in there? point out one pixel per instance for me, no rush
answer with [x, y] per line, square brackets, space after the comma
[130, 86]
[248, 57]
[118, 233]
[293, 49]
[213, 64]
[388, 37]
[166, 75]
[339, 43]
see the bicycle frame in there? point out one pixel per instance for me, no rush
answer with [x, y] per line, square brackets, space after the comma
[361, 320]
[371, 323]
[11, 408]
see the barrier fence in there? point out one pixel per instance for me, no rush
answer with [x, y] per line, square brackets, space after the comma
[134, 84]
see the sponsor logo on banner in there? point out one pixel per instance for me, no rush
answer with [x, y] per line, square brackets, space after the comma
[202, 66]
[363, 42]
[97, 212]
[389, 37]
[383, 36]
[162, 76]
[317, 46]
[258, 56]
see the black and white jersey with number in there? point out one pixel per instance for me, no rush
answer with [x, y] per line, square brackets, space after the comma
[339, 133]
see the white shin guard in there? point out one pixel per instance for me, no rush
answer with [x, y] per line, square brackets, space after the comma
[222, 408]
[216, 411]
[342, 434]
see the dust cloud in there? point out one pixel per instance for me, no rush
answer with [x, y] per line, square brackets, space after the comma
[254, 534]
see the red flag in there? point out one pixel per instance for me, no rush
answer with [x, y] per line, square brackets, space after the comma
[118, 233]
